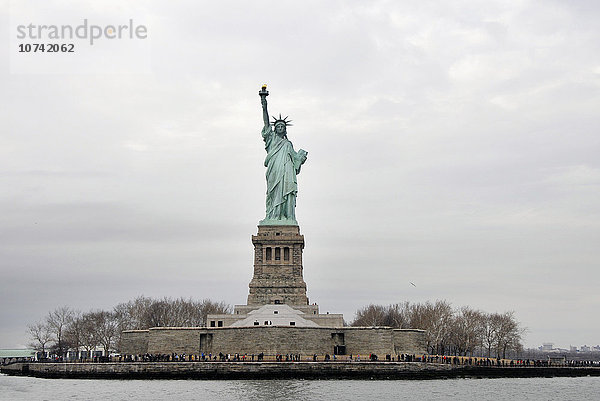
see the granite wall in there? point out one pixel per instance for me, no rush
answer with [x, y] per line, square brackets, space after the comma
[135, 342]
[273, 340]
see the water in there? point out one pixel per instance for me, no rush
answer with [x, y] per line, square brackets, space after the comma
[560, 388]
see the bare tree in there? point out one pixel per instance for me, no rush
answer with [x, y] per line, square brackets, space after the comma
[501, 333]
[143, 313]
[89, 335]
[436, 319]
[132, 314]
[395, 315]
[467, 330]
[208, 307]
[464, 331]
[74, 332]
[106, 327]
[508, 334]
[490, 326]
[398, 315]
[57, 322]
[159, 314]
[69, 329]
[41, 336]
[371, 315]
[125, 320]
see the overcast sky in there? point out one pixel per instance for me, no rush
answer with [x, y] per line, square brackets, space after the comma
[454, 145]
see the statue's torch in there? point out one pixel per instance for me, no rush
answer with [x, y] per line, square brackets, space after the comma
[263, 91]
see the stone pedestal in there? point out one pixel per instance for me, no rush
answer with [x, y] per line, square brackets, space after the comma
[278, 277]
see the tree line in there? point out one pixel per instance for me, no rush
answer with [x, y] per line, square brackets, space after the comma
[65, 329]
[450, 331]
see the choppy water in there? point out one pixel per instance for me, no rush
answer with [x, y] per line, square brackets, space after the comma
[561, 388]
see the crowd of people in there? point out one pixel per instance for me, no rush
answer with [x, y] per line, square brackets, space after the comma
[262, 357]
[221, 357]
[482, 361]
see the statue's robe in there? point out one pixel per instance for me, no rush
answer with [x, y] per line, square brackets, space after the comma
[283, 164]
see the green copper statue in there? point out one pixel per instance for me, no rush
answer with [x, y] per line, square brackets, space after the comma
[283, 164]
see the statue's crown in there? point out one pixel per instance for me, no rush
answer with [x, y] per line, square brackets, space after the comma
[281, 120]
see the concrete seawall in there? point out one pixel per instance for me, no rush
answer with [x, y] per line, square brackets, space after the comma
[283, 370]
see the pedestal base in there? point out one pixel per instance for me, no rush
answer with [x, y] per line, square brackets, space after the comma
[278, 273]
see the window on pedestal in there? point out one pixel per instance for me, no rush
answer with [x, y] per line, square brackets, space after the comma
[268, 253]
[277, 253]
[286, 253]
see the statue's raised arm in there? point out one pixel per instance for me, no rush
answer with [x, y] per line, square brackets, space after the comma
[283, 164]
[263, 93]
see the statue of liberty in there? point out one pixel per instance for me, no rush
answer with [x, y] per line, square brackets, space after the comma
[283, 164]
